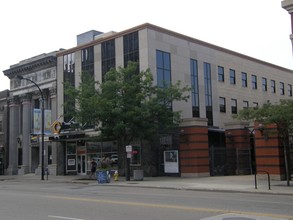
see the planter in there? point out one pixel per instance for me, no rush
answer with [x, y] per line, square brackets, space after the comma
[103, 176]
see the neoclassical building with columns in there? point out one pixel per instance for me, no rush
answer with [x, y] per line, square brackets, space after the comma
[24, 152]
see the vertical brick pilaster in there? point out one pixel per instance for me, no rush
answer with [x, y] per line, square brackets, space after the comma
[269, 151]
[194, 148]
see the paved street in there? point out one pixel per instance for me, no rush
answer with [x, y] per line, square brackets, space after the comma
[205, 198]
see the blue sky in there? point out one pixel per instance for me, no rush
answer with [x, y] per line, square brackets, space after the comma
[257, 28]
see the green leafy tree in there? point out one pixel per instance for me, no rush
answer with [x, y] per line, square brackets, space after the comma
[281, 115]
[81, 103]
[131, 108]
[127, 106]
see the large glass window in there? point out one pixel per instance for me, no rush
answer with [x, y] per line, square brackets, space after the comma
[273, 86]
[289, 90]
[208, 93]
[131, 48]
[221, 74]
[108, 56]
[163, 68]
[87, 60]
[232, 77]
[244, 79]
[69, 77]
[254, 81]
[222, 102]
[233, 106]
[264, 84]
[194, 88]
[282, 88]
[245, 104]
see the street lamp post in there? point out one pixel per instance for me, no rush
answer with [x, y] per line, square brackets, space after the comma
[43, 119]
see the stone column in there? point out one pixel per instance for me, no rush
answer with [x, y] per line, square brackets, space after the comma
[13, 135]
[53, 97]
[26, 130]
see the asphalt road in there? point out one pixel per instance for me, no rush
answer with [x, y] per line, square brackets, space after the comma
[73, 201]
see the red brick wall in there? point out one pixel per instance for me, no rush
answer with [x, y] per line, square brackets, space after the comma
[194, 150]
[269, 151]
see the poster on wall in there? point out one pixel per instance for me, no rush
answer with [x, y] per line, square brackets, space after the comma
[171, 164]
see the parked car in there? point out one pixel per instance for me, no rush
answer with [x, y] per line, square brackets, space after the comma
[114, 158]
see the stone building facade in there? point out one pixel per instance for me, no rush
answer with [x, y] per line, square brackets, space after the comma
[24, 114]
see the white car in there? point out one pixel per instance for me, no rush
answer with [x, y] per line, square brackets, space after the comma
[114, 159]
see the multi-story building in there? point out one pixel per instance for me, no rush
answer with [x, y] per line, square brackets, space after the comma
[222, 82]
[25, 154]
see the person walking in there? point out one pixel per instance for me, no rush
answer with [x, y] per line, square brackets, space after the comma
[93, 168]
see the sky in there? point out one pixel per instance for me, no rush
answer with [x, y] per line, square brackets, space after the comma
[257, 28]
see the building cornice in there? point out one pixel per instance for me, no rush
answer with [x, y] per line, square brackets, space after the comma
[171, 33]
[30, 67]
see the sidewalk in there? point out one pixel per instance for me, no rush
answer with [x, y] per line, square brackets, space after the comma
[242, 184]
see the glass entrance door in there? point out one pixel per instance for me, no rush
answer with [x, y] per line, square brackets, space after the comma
[81, 164]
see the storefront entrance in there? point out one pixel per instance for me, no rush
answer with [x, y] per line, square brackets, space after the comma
[81, 164]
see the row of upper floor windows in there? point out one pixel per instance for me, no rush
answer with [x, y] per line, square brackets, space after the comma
[254, 82]
[234, 105]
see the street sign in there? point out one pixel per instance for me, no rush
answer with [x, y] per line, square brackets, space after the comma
[128, 148]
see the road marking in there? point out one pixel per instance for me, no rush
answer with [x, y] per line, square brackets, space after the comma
[62, 217]
[185, 208]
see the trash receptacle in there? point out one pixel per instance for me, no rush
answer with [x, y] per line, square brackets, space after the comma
[138, 175]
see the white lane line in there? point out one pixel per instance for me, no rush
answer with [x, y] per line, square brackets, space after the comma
[62, 217]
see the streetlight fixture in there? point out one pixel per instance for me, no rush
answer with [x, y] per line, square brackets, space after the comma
[43, 119]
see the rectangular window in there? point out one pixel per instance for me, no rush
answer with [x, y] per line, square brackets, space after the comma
[289, 90]
[245, 104]
[264, 84]
[273, 86]
[244, 79]
[87, 60]
[254, 81]
[163, 68]
[232, 77]
[208, 92]
[233, 106]
[221, 76]
[282, 88]
[194, 88]
[131, 48]
[108, 56]
[222, 102]
[255, 105]
[69, 77]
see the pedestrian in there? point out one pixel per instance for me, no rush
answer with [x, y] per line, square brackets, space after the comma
[93, 168]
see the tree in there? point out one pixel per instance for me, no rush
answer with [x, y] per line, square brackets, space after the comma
[81, 103]
[281, 115]
[129, 107]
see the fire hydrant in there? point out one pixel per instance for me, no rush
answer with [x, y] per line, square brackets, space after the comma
[116, 175]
